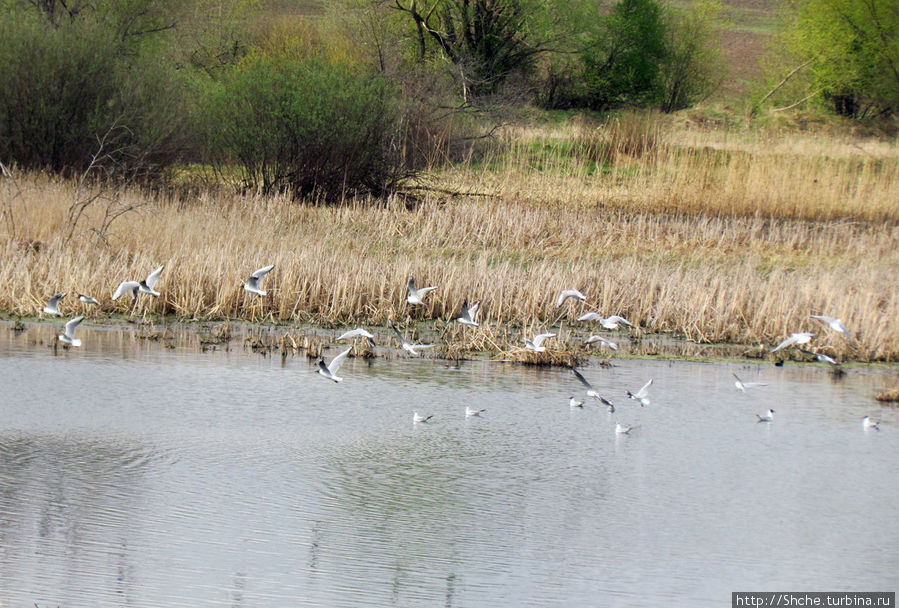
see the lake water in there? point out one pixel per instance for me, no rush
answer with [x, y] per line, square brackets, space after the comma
[137, 474]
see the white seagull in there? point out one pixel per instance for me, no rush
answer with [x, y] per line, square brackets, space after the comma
[573, 403]
[52, 307]
[607, 322]
[642, 395]
[88, 299]
[834, 324]
[820, 357]
[622, 429]
[416, 417]
[469, 413]
[569, 293]
[742, 386]
[145, 286]
[359, 331]
[535, 344]
[252, 284]
[766, 417]
[416, 296]
[68, 335]
[800, 338]
[602, 342]
[330, 371]
[412, 349]
[868, 423]
[469, 314]
[592, 392]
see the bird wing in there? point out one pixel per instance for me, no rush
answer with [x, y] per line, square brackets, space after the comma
[72, 325]
[124, 287]
[349, 334]
[153, 277]
[569, 293]
[538, 339]
[337, 361]
[52, 302]
[397, 332]
[323, 368]
[411, 285]
[785, 343]
[253, 282]
[590, 316]
[473, 311]
[644, 390]
[824, 318]
[261, 272]
[616, 318]
[582, 379]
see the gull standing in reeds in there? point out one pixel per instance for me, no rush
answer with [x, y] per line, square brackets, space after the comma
[569, 293]
[592, 392]
[359, 331]
[642, 395]
[330, 371]
[622, 429]
[834, 324]
[52, 307]
[869, 423]
[133, 287]
[88, 299]
[412, 349]
[416, 296]
[470, 413]
[602, 342]
[573, 403]
[418, 418]
[742, 386]
[766, 417]
[612, 322]
[536, 344]
[68, 335]
[469, 315]
[798, 338]
[252, 284]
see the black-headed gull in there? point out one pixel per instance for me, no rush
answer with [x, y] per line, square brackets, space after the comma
[88, 299]
[592, 392]
[622, 429]
[359, 331]
[869, 423]
[470, 413]
[602, 342]
[834, 324]
[416, 296]
[569, 293]
[820, 357]
[68, 335]
[330, 371]
[742, 386]
[52, 307]
[642, 395]
[133, 287]
[412, 349]
[573, 403]
[803, 337]
[536, 344]
[469, 315]
[612, 322]
[252, 284]
[417, 418]
[766, 417]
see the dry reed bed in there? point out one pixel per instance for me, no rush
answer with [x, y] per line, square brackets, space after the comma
[709, 278]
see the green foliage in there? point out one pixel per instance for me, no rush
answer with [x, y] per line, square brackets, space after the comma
[305, 125]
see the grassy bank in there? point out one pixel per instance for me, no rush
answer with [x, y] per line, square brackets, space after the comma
[714, 235]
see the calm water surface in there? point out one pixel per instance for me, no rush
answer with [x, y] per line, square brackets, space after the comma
[132, 474]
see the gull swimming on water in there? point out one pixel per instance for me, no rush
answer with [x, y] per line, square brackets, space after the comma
[602, 341]
[766, 417]
[800, 338]
[868, 423]
[88, 299]
[252, 284]
[68, 335]
[569, 293]
[834, 324]
[469, 314]
[416, 296]
[622, 429]
[145, 286]
[742, 386]
[330, 371]
[412, 349]
[592, 392]
[52, 307]
[642, 395]
[416, 417]
[535, 344]
[573, 403]
[359, 331]
[469, 413]
[607, 322]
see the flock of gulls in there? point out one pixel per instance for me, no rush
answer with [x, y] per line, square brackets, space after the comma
[468, 316]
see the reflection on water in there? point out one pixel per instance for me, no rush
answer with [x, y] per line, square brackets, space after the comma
[149, 473]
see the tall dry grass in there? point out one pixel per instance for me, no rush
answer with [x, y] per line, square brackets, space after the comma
[747, 265]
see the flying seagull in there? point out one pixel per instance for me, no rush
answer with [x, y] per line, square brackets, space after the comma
[742, 386]
[330, 371]
[52, 307]
[252, 284]
[622, 429]
[145, 286]
[359, 331]
[469, 314]
[868, 423]
[607, 322]
[416, 417]
[592, 392]
[573, 403]
[416, 296]
[642, 395]
[68, 335]
[569, 293]
[535, 344]
[602, 341]
[834, 324]
[88, 299]
[800, 338]
[820, 357]
[408, 346]
[469, 413]
[766, 417]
